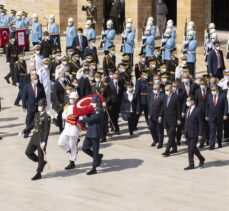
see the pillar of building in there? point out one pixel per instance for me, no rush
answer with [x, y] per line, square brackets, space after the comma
[138, 10]
[192, 10]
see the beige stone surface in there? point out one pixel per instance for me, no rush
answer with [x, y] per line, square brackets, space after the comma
[132, 177]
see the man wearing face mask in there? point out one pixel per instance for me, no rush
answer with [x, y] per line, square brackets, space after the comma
[84, 84]
[39, 139]
[20, 70]
[70, 134]
[193, 131]
[101, 88]
[155, 101]
[148, 42]
[20, 24]
[44, 78]
[109, 36]
[91, 51]
[170, 115]
[226, 122]
[53, 27]
[223, 82]
[74, 64]
[38, 58]
[140, 66]
[201, 96]
[215, 113]
[63, 67]
[129, 44]
[36, 30]
[80, 42]
[142, 88]
[28, 23]
[70, 32]
[59, 94]
[46, 45]
[32, 93]
[90, 32]
[91, 12]
[109, 61]
[5, 19]
[216, 63]
[54, 63]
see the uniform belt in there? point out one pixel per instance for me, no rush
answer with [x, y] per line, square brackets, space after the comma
[143, 94]
[191, 51]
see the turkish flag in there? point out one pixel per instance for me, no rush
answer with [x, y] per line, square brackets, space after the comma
[4, 36]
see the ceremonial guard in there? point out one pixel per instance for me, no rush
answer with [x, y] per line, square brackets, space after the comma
[173, 29]
[108, 37]
[70, 33]
[36, 29]
[20, 70]
[148, 43]
[12, 52]
[20, 24]
[70, 134]
[93, 135]
[5, 19]
[28, 24]
[53, 27]
[109, 61]
[91, 12]
[39, 139]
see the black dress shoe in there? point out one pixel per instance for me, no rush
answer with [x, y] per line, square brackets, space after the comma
[26, 135]
[70, 166]
[92, 171]
[17, 104]
[166, 154]
[7, 80]
[153, 144]
[37, 177]
[211, 147]
[201, 146]
[201, 164]
[173, 151]
[220, 145]
[189, 168]
[159, 146]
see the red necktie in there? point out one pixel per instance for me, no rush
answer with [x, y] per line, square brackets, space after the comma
[34, 89]
[214, 101]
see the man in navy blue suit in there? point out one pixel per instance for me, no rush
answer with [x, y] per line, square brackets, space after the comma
[32, 93]
[216, 113]
[93, 135]
[193, 131]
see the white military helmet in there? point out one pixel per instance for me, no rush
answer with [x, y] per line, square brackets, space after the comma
[19, 13]
[191, 23]
[170, 22]
[71, 20]
[51, 17]
[109, 23]
[150, 19]
[129, 20]
[128, 25]
[35, 15]
[89, 22]
[211, 26]
[73, 95]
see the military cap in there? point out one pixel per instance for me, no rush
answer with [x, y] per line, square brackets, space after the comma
[69, 87]
[45, 61]
[145, 71]
[45, 33]
[164, 75]
[24, 13]
[152, 62]
[91, 39]
[64, 58]
[98, 74]
[13, 11]
[42, 102]
[163, 66]
[21, 54]
[70, 49]
[186, 69]
[125, 56]
[58, 52]
[1, 6]
[89, 56]
[206, 76]
[37, 47]
[76, 54]
[183, 58]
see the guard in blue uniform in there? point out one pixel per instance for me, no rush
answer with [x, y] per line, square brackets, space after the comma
[36, 30]
[149, 43]
[5, 19]
[109, 36]
[20, 24]
[53, 28]
[93, 135]
[28, 24]
[90, 32]
[70, 33]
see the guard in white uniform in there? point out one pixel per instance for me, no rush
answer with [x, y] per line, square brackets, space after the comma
[69, 136]
[223, 82]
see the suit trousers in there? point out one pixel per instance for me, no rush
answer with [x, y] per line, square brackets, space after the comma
[11, 73]
[226, 129]
[156, 130]
[104, 125]
[144, 108]
[193, 150]
[115, 110]
[171, 132]
[216, 132]
[93, 143]
[30, 117]
[192, 69]
[30, 153]
[131, 118]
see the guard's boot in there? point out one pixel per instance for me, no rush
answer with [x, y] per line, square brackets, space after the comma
[70, 166]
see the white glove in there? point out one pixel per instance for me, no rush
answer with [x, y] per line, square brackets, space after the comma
[104, 104]
[8, 63]
[17, 84]
[80, 118]
[42, 145]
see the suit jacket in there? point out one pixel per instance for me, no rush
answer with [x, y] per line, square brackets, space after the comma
[216, 113]
[172, 112]
[46, 48]
[213, 62]
[29, 100]
[193, 126]
[155, 105]
[114, 95]
[84, 87]
[200, 100]
[58, 96]
[94, 124]
[76, 42]
[130, 106]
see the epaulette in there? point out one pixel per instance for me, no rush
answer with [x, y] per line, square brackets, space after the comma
[223, 79]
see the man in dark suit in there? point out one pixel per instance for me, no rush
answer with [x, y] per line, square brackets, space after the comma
[91, 50]
[59, 93]
[84, 84]
[155, 101]
[193, 131]
[93, 135]
[46, 46]
[171, 115]
[32, 93]
[215, 114]
[80, 42]
[201, 96]
[216, 63]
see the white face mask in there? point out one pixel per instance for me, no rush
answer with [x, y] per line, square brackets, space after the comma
[130, 89]
[71, 101]
[214, 92]
[58, 58]
[69, 24]
[111, 76]
[155, 92]
[64, 63]
[37, 52]
[143, 60]
[62, 79]
[79, 34]
[174, 89]
[35, 82]
[113, 52]
[163, 70]
[188, 104]
[13, 40]
[164, 80]
[40, 108]
[115, 80]
[218, 48]
[122, 70]
[21, 58]
[33, 72]
[185, 80]
[167, 93]
[46, 66]
[109, 27]
[153, 66]
[189, 37]
[202, 87]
